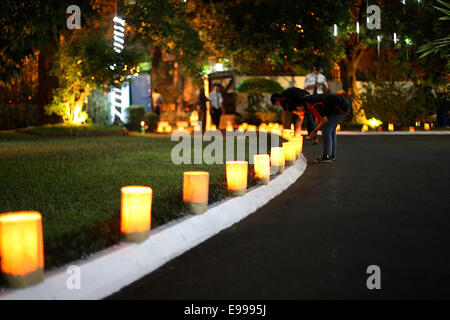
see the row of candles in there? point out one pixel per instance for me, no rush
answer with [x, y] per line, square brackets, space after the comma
[276, 128]
[391, 127]
[21, 237]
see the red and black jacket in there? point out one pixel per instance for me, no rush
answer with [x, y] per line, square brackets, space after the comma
[291, 98]
[326, 105]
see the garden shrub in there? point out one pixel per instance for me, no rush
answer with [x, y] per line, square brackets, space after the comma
[134, 116]
[19, 115]
[99, 108]
[151, 119]
[269, 113]
[395, 102]
[256, 88]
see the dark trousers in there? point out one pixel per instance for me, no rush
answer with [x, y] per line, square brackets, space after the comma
[310, 122]
[215, 116]
[329, 130]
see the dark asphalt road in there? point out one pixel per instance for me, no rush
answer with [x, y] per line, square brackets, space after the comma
[385, 201]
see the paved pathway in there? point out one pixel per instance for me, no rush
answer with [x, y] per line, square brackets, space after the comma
[385, 201]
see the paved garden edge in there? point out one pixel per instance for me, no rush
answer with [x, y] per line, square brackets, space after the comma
[111, 269]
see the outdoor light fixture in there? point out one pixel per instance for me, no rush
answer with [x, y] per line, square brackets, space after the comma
[357, 31]
[262, 167]
[290, 153]
[195, 191]
[118, 46]
[22, 248]
[378, 44]
[143, 128]
[426, 126]
[237, 172]
[136, 212]
[277, 161]
[373, 123]
[390, 127]
[218, 67]
[118, 34]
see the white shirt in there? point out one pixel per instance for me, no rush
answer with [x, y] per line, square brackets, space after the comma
[311, 79]
[216, 100]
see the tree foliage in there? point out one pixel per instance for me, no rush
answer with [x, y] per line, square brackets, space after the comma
[85, 62]
[28, 25]
[164, 24]
[276, 33]
[440, 45]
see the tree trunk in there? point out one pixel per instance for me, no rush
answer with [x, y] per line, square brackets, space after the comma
[354, 50]
[156, 60]
[46, 83]
[178, 86]
[348, 67]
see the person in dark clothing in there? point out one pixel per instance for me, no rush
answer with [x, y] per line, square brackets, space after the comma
[289, 99]
[330, 110]
[202, 99]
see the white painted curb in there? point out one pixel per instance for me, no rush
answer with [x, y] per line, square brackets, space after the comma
[386, 133]
[109, 270]
[392, 133]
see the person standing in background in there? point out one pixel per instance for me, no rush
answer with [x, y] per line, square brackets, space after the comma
[216, 104]
[157, 101]
[315, 83]
[201, 101]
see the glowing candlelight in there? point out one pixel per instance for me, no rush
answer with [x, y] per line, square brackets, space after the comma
[289, 153]
[196, 190]
[277, 160]
[262, 167]
[237, 172]
[390, 127]
[22, 248]
[136, 210]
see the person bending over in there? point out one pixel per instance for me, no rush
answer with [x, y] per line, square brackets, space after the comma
[330, 110]
[289, 99]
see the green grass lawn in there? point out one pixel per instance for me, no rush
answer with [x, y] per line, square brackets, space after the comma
[71, 129]
[75, 183]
